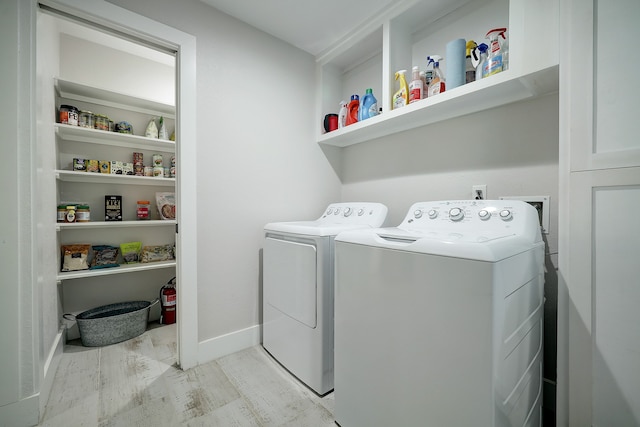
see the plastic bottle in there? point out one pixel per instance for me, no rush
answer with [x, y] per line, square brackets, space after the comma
[352, 113]
[470, 70]
[415, 87]
[423, 77]
[504, 46]
[437, 84]
[493, 64]
[428, 76]
[401, 97]
[481, 59]
[342, 115]
[369, 105]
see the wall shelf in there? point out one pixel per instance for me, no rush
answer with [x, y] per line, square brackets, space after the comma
[125, 268]
[114, 139]
[114, 224]
[103, 178]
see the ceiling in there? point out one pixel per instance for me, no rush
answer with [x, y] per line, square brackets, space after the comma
[311, 25]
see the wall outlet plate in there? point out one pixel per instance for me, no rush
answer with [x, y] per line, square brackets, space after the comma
[479, 192]
[541, 203]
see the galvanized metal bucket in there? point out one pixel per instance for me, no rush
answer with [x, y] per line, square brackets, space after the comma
[112, 323]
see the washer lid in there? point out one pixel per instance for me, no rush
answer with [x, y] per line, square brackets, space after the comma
[487, 246]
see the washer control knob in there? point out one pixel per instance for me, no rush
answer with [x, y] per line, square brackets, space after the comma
[506, 215]
[417, 213]
[484, 214]
[456, 214]
[360, 212]
[337, 211]
[329, 211]
[347, 211]
[433, 214]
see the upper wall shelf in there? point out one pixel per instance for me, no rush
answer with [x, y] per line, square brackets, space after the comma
[94, 136]
[84, 93]
[497, 90]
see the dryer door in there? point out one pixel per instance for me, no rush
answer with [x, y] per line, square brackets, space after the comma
[290, 278]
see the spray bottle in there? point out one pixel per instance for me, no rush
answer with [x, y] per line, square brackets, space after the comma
[470, 69]
[352, 113]
[504, 47]
[479, 58]
[415, 87]
[342, 115]
[493, 64]
[401, 97]
[437, 84]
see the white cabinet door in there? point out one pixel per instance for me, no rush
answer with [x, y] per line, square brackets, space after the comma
[599, 286]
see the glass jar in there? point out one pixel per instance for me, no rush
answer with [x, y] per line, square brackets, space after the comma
[62, 212]
[101, 122]
[143, 209]
[68, 115]
[70, 214]
[83, 213]
[86, 120]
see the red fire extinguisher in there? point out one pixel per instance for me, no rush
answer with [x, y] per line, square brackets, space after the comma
[168, 303]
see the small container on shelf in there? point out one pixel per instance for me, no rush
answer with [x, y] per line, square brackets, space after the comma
[83, 213]
[86, 120]
[70, 214]
[113, 208]
[62, 213]
[142, 211]
[68, 115]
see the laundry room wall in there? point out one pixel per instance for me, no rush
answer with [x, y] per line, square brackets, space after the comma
[512, 149]
[257, 158]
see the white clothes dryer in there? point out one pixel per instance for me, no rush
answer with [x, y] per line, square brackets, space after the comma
[438, 322]
[298, 289]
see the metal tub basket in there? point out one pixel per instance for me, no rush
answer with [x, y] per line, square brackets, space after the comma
[113, 323]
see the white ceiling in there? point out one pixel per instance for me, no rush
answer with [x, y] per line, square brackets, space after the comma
[311, 25]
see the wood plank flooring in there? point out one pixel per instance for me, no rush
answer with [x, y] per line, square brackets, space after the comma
[136, 383]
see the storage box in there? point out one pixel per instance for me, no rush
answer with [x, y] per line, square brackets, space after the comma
[113, 208]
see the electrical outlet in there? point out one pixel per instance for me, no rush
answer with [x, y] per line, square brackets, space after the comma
[479, 192]
[541, 203]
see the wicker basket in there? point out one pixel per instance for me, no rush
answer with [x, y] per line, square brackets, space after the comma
[113, 323]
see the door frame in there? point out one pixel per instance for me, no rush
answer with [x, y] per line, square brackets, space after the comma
[129, 24]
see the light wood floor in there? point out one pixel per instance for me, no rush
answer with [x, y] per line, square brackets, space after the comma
[136, 383]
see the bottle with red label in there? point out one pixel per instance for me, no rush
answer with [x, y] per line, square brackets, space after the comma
[416, 87]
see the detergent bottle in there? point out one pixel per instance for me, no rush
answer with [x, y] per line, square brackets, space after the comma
[470, 69]
[352, 110]
[401, 97]
[437, 84]
[342, 115]
[415, 87]
[369, 105]
[493, 64]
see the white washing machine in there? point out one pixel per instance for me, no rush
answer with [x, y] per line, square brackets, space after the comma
[438, 322]
[298, 289]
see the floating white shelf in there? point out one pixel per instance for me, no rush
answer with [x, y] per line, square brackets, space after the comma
[125, 268]
[114, 139]
[97, 178]
[114, 224]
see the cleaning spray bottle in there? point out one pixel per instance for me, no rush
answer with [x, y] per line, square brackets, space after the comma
[504, 47]
[369, 105]
[415, 87]
[342, 115]
[437, 84]
[401, 97]
[470, 69]
[493, 64]
[479, 59]
[352, 113]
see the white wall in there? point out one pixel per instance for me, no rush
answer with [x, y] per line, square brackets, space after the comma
[257, 158]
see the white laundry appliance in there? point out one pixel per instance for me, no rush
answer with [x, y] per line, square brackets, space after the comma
[438, 322]
[298, 289]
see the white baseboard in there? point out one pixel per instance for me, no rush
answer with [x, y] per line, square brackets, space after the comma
[224, 345]
[50, 368]
[23, 413]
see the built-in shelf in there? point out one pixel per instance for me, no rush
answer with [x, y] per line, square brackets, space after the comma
[105, 178]
[494, 91]
[114, 139]
[114, 224]
[84, 93]
[125, 268]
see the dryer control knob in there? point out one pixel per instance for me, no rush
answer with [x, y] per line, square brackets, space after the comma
[484, 214]
[433, 214]
[456, 214]
[347, 211]
[337, 211]
[360, 212]
[506, 215]
[417, 213]
[329, 211]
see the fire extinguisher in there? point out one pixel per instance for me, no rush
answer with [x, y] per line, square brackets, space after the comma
[168, 303]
